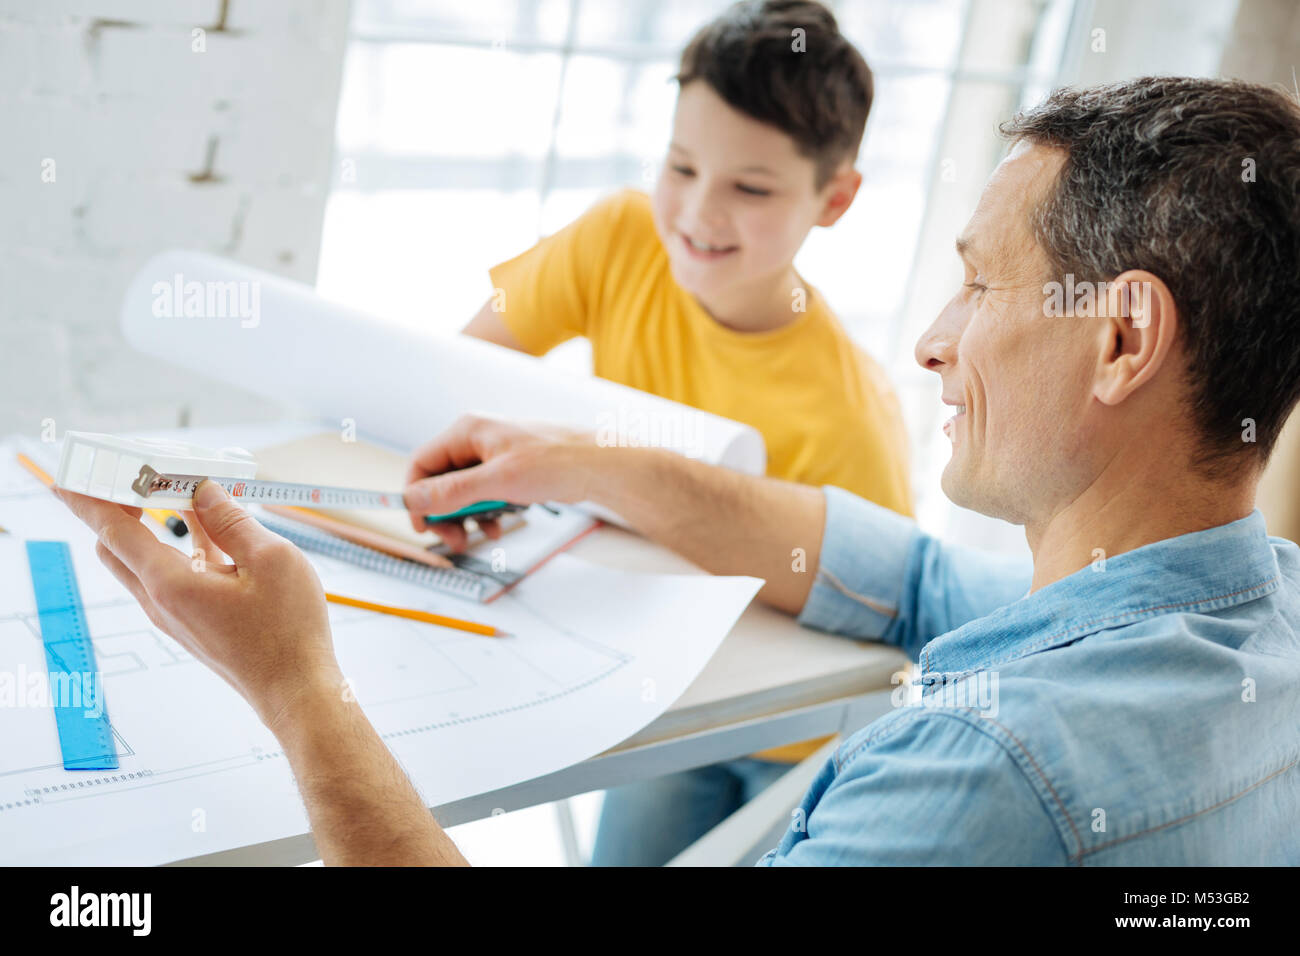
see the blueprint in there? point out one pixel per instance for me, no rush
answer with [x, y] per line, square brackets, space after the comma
[594, 655]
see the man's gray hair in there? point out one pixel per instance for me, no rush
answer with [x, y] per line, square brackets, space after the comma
[1198, 182]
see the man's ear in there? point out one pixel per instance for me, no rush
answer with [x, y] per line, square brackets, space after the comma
[1139, 326]
[838, 193]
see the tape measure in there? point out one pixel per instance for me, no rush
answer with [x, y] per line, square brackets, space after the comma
[76, 685]
[149, 483]
[144, 472]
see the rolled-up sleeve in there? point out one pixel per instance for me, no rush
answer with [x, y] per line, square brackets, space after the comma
[880, 577]
[862, 568]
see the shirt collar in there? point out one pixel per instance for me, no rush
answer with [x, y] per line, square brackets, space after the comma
[1202, 571]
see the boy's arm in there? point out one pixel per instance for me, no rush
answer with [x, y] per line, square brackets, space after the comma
[487, 325]
[551, 292]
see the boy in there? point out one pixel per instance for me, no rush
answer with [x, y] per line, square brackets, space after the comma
[692, 294]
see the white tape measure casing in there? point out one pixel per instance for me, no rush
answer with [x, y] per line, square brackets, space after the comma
[165, 474]
[106, 466]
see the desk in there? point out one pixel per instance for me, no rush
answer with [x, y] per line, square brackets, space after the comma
[771, 682]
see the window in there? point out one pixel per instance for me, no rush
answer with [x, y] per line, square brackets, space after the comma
[466, 131]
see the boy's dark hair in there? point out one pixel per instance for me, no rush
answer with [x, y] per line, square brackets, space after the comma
[785, 62]
[1198, 182]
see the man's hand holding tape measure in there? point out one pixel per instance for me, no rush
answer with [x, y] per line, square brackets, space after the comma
[259, 622]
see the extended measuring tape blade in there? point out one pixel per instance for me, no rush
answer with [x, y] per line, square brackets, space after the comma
[150, 483]
[76, 686]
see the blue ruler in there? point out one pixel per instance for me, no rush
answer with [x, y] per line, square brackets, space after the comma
[76, 687]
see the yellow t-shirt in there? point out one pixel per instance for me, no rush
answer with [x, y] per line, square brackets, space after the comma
[824, 408]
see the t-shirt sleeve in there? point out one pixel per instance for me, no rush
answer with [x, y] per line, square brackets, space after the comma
[551, 293]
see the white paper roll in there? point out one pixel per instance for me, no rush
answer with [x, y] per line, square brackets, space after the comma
[280, 339]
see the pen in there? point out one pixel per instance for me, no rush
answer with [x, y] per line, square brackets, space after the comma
[485, 511]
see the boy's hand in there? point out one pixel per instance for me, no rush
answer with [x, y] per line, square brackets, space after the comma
[485, 459]
[261, 623]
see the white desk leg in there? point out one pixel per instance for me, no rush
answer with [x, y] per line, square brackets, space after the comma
[568, 832]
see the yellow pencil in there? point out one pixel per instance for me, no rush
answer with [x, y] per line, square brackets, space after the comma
[485, 629]
[36, 470]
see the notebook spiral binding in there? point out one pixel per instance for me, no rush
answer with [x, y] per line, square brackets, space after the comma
[448, 580]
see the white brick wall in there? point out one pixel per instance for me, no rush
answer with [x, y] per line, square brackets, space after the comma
[114, 94]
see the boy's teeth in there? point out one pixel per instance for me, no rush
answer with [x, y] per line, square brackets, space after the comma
[961, 409]
[704, 246]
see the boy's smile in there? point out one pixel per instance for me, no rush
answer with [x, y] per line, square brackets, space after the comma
[706, 251]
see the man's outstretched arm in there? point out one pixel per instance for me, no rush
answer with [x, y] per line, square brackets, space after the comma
[725, 522]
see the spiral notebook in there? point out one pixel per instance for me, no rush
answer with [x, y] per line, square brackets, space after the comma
[462, 583]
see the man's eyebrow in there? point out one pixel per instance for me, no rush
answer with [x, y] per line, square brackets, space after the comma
[965, 246]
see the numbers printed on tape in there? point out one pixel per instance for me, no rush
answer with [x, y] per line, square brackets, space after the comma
[151, 483]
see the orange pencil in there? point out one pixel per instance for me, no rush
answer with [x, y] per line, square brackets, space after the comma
[359, 535]
[36, 470]
[485, 629]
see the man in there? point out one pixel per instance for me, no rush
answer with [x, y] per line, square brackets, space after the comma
[1140, 702]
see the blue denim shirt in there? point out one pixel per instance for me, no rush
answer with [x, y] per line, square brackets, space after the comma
[1144, 710]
